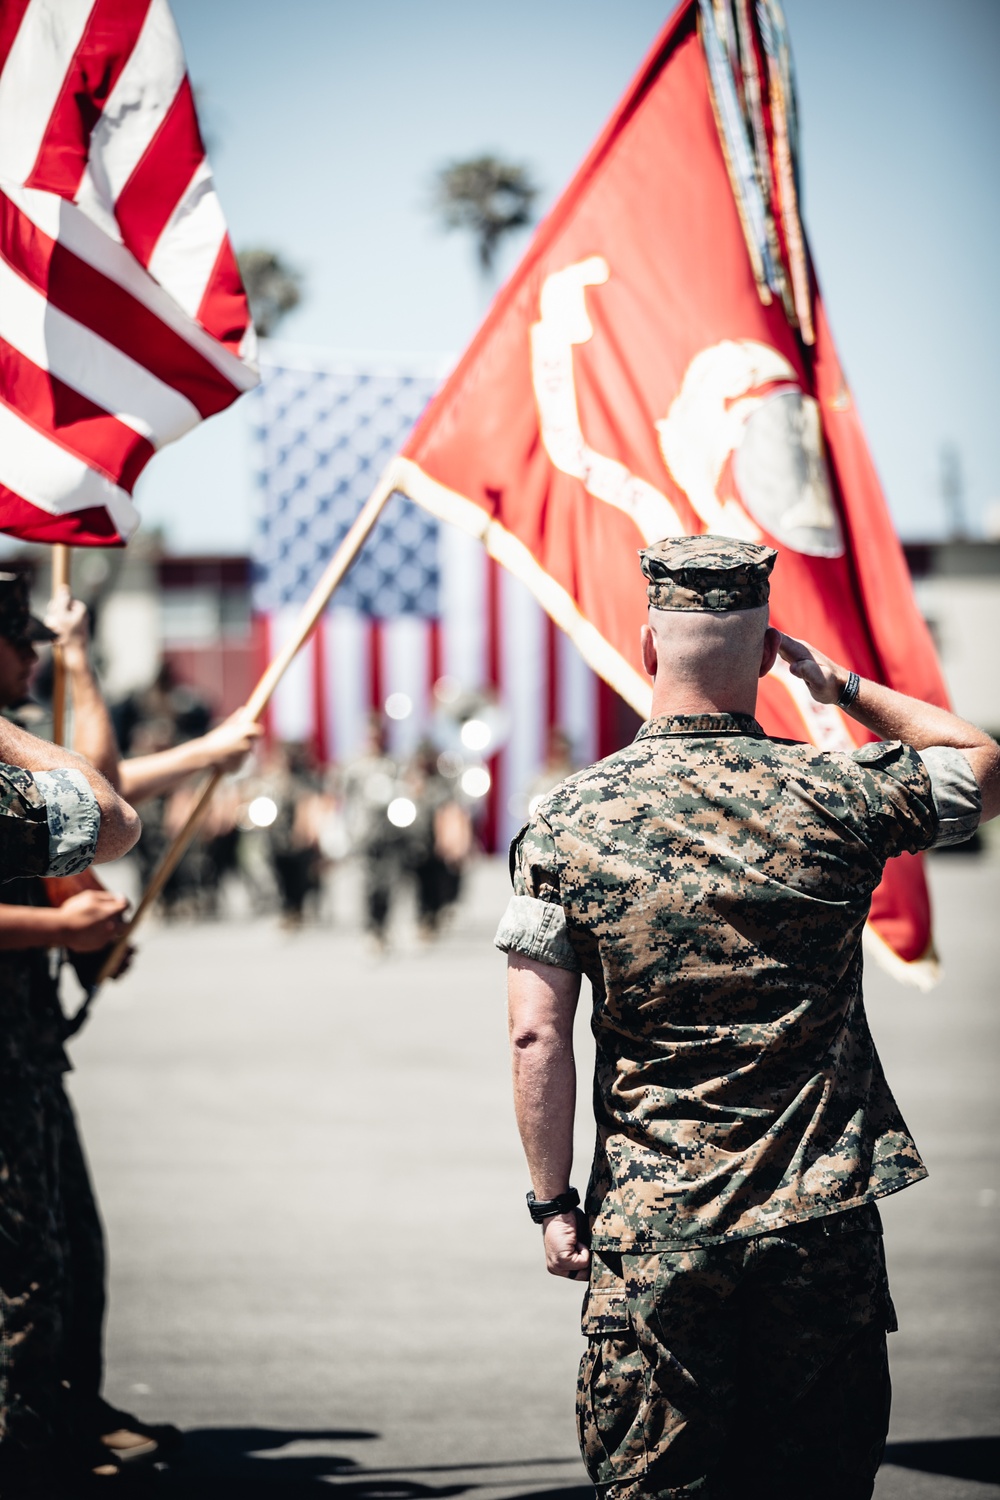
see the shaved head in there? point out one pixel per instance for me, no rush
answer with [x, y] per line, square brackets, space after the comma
[707, 657]
[697, 644]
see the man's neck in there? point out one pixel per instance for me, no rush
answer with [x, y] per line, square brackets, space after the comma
[671, 699]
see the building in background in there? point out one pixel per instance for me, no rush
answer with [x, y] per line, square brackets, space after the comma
[957, 584]
[208, 633]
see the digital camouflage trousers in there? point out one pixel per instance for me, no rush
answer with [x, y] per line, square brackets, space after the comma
[752, 1368]
[51, 1266]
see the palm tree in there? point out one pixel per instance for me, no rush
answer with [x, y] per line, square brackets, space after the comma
[488, 196]
[273, 287]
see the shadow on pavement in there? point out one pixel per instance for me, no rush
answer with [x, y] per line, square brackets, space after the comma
[244, 1463]
[960, 1458]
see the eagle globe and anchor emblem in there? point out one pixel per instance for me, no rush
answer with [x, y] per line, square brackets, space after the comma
[739, 400]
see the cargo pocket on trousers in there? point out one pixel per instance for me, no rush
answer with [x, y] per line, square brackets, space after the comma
[611, 1387]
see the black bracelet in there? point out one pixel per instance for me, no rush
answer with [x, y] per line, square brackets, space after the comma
[850, 690]
[549, 1206]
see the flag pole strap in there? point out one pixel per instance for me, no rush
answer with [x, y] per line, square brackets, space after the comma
[257, 702]
[61, 559]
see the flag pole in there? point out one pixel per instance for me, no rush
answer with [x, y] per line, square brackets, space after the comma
[61, 559]
[258, 701]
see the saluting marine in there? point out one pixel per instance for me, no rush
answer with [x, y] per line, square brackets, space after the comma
[713, 883]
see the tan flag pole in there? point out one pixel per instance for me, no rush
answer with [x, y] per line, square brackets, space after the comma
[257, 702]
[61, 558]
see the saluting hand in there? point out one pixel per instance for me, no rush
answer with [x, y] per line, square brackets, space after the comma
[566, 1253]
[824, 679]
[91, 920]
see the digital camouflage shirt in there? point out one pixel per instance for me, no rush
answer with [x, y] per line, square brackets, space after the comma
[49, 822]
[713, 885]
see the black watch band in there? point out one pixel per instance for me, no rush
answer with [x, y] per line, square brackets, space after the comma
[849, 691]
[549, 1206]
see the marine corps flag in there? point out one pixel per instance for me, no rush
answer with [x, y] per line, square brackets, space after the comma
[660, 363]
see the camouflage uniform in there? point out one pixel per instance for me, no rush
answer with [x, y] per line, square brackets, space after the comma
[697, 1359]
[24, 825]
[713, 884]
[50, 1233]
[49, 823]
[370, 784]
[49, 820]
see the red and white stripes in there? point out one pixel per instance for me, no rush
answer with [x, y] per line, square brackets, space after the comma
[123, 321]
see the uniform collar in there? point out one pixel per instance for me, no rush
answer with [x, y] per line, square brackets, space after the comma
[678, 724]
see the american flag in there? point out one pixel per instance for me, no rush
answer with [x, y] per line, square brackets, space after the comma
[423, 601]
[123, 320]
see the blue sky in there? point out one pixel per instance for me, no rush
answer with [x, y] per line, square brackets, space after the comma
[327, 118]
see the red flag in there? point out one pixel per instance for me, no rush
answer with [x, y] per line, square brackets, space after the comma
[123, 320]
[660, 363]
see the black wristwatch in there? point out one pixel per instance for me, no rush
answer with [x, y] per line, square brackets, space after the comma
[849, 691]
[561, 1205]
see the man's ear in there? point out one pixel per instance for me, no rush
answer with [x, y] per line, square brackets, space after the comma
[649, 658]
[769, 655]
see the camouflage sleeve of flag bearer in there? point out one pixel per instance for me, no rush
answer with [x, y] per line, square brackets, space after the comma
[49, 822]
[24, 825]
[534, 923]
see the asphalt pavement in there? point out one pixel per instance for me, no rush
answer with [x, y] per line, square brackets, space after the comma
[322, 1268]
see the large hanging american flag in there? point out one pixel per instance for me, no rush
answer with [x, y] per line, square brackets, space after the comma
[123, 320]
[422, 602]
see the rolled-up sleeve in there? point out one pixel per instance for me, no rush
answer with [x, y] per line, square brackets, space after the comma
[74, 819]
[538, 930]
[24, 825]
[957, 798]
[534, 923]
[902, 817]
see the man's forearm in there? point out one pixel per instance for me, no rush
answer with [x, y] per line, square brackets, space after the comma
[146, 776]
[93, 732]
[545, 1103]
[19, 748]
[30, 927]
[542, 1003]
[224, 748]
[894, 716]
